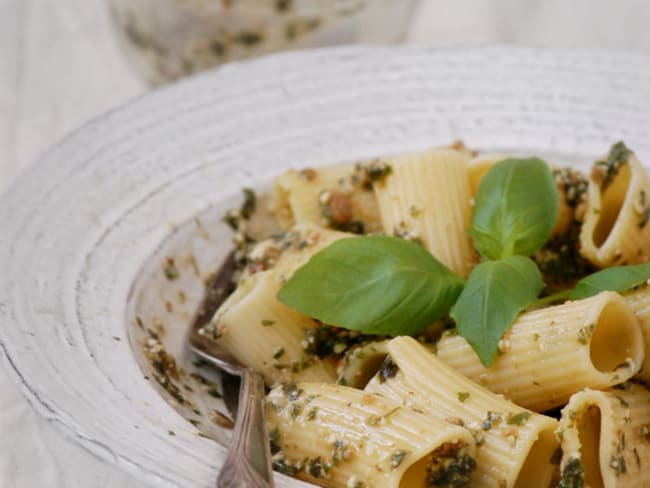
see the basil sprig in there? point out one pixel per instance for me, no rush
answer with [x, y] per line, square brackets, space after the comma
[616, 278]
[373, 284]
[384, 285]
[515, 208]
[495, 293]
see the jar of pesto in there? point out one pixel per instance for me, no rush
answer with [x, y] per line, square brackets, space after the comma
[168, 39]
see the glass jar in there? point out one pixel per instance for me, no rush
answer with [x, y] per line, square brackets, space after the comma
[168, 39]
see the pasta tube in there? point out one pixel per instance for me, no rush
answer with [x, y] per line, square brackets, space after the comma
[605, 438]
[639, 302]
[514, 446]
[337, 436]
[328, 196]
[615, 229]
[256, 328]
[426, 197]
[549, 354]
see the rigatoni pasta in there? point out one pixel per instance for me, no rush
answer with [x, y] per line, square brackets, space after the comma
[639, 302]
[256, 328]
[426, 197]
[606, 438]
[342, 437]
[514, 446]
[616, 229]
[332, 196]
[551, 353]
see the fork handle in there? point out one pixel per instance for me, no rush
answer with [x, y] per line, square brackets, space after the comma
[248, 461]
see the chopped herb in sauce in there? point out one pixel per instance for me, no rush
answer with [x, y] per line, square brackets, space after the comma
[491, 419]
[248, 38]
[572, 475]
[462, 396]
[324, 340]
[279, 352]
[604, 171]
[366, 175]
[388, 370]
[291, 391]
[311, 414]
[518, 419]
[556, 457]
[169, 269]
[450, 466]
[397, 457]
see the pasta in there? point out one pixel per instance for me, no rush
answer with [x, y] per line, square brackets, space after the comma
[331, 197]
[407, 209]
[340, 436]
[551, 353]
[639, 302]
[259, 330]
[615, 229]
[605, 437]
[514, 445]
[351, 406]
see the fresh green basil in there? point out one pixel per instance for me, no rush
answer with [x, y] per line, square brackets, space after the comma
[495, 293]
[617, 278]
[515, 208]
[373, 284]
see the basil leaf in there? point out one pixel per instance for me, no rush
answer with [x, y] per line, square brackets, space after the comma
[495, 293]
[515, 208]
[616, 278]
[373, 284]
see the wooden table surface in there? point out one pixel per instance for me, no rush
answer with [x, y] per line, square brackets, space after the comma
[60, 66]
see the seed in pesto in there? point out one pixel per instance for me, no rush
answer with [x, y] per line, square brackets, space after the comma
[169, 269]
[462, 396]
[397, 458]
[388, 370]
[518, 419]
[572, 475]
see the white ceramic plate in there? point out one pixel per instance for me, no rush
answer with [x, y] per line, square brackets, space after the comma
[84, 232]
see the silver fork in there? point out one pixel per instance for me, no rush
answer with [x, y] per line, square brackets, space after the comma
[248, 461]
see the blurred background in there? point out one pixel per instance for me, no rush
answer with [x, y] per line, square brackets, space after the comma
[63, 62]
